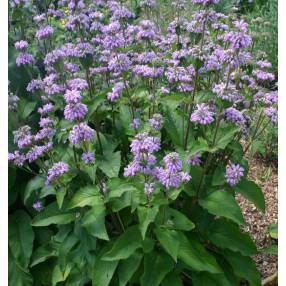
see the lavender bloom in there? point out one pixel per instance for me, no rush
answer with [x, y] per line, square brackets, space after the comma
[263, 76]
[149, 188]
[132, 169]
[185, 177]
[144, 143]
[75, 111]
[87, 158]
[12, 101]
[54, 57]
[23, 137]
[37, 206]
[173, 162]
[156, 122]
[21, 45]
[264, 64]
[72, 96]
[44, 33]
[120, 63]
[116, 92]
[38, 151]
[57, 170]
[77, 84]
[238, 40]
[135, 124]
[45, 133]
[147, 3]
[47, 108]
[81, 132]
[72, 68]
[195, 160]
[205, 2]
[202, 115]
[146, 71]
[164, 90]
[35, 85]
[17, 158]
[233, 174]
[235, 116]
[272, 113]
[168, 179]
[24, 59]
[46, 122]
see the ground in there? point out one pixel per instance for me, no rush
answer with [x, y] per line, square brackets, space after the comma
[256, 222]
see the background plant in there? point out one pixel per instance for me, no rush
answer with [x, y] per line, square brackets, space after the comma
[126, 138]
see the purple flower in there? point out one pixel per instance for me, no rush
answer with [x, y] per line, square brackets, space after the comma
[149, 188]
[77, 84]
[17, 158]
[34, 85]
[81, 132]
[21, 45]
[185, 177]
[263, 76]
[156, 122]
[119, 64]
[233, 174]
[195, 160]
[168, 179]
[173, 163]
[23, 137]
[47, 108]
[146, 71]
[143, 143]
[57, 170]
[45, 133]
[37, 206]
[24, 59]
[205, 2]
[135, 124]
[72, 96]
[272, 113]
[44, 33]
[116, 92]
[235, 116]
[202, 115]
[75, 111]
[87, 158]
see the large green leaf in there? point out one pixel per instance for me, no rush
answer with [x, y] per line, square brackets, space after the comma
[86, 196]
[42, 254]
[127, 267]
[243, 267]
[125, 245]
[207, 279]
[94, 222]
[172, 279]
[252, 192]
[225, 136]
[52, 215]
[222, 203]
[60, 275]
[227, 235]
[174, 127]
[21, 237]
[25, 107]
[146, 215]
[117, 187]
[103, 271]
[18, 275]
[34, 184]
[194, 255]
[170, 241]
[109, 164]
[156, 267]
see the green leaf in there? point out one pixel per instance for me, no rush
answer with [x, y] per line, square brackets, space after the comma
[86, 196]
[94, 222]
[103, 272]
[172, 280]
[175, 220]
[156, 266]
[21, 237]
[60, 195]
[218, 177]
[146, 215]
[224, 235]
[33, 185]
[243, 267]
[207, 279]
[272, 250]
[194, 255]
[117, 187]
[252, 192]
[109, 164]
[52, 215]
[127, 267]
[59, 275]
[273, 230]
[225, 136]
[173, 126]
[25, 107]
[170, 241]
[42, 254]
[125, 245]
[222, 203]
[17, 274]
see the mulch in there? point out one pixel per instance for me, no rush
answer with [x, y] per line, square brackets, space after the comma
[257, 222]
